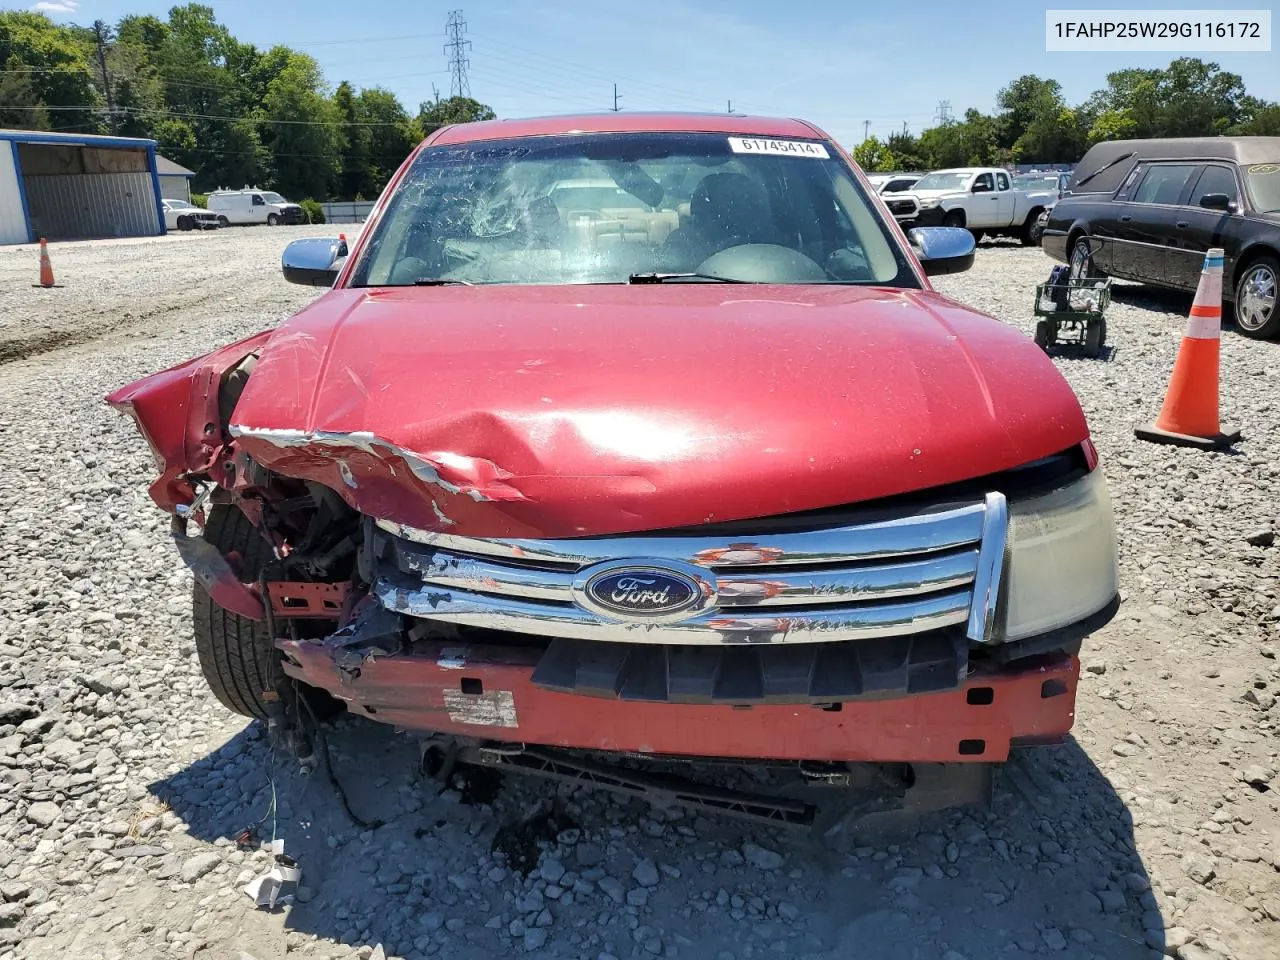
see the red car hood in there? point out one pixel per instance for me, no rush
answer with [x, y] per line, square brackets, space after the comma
[570, 410]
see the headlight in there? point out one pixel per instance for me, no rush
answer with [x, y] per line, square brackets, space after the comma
[1061, 558]
[930, 204]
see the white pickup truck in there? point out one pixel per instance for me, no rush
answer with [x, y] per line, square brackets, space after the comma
[983, 199]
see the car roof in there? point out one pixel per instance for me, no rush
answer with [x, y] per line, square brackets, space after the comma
[1126, 154]
[624, 122]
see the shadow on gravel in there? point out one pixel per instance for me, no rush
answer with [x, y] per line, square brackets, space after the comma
[1152, 298]
[1051, 868]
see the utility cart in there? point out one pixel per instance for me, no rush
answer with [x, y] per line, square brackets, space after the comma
[1072, 311]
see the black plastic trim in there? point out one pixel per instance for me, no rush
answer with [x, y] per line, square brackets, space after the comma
[813, 673]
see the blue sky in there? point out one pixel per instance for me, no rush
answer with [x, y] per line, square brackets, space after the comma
[836, 63]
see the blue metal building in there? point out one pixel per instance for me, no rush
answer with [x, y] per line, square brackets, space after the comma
[73, 186]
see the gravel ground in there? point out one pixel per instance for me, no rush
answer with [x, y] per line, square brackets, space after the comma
[1155, 831]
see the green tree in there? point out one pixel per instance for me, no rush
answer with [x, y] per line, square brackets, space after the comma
[437, 113]
[1035, 123]
[302, 130]
[1190, 98]
[55, 86]
[906, 151]
[1112, 125]
[873, 156]
[356, 175]
[968, 142]
[1025, 102]
[392, 135]
[1262, 119]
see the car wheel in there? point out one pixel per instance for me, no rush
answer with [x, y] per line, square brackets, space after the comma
[1037, 229]
[239, 661]
[953, 219]
[1095, 338]
[273, 220]
[1029, 234]
[1256, 314]
[1044, 335]
[184, 223]
[224, 222]
[1081, 264]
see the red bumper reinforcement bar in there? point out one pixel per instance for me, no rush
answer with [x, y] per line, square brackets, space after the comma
[486, 693]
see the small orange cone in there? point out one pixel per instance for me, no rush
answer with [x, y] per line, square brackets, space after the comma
[46, 268]
[1189, 417]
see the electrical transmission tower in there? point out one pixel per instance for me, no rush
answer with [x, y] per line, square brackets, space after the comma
[944, 111]
[455, 27]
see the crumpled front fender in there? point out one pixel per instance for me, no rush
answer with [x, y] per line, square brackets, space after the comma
[177, 413]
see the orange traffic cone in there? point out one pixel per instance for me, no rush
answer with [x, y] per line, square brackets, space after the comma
[46, 268]
[1189, 417]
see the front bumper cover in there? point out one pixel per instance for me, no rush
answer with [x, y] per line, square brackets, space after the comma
[487, 693]
[930, 217]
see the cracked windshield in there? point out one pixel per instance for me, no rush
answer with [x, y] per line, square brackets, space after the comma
[612, 208]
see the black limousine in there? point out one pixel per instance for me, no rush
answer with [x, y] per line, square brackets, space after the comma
[1147, 210]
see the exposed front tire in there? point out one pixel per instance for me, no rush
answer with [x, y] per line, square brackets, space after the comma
[237, 656]
[224, 222]
[184, 223]
[273, 220]
[1255, 309]
[954, 218]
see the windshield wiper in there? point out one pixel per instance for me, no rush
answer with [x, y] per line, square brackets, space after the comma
[441, 282]
[663, 277]
[1106, 166]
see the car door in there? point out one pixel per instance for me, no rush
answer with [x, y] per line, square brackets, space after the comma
[1145, 222]
[1005, 200]
[1197, 228]
[984, 210]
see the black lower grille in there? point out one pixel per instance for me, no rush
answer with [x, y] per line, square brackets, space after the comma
[803, 673]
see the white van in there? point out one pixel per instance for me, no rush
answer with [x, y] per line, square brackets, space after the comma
[252, 205]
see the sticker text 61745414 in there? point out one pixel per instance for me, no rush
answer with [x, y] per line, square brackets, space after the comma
[779, 148]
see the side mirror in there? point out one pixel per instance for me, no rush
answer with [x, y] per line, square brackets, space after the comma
[942, 249]
[1217, 201]
[314, 261]
[980, 188]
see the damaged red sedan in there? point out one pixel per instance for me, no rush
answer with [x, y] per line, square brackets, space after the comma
[641, 436]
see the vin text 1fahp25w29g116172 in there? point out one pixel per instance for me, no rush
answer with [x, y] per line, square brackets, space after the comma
[642, 436]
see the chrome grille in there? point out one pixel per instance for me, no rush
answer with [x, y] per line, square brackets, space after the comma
[887, 578]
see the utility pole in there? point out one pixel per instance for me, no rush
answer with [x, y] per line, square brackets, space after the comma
[904, 129]
[866, 129]
[103, 33]
[455, 27]
[616, 108]
[730, 106]
[944, 111]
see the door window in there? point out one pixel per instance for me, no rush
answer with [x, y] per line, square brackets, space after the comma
[258, 201]
[1215, 179]
[984, 183]
[1002, 181]
[1163, 183]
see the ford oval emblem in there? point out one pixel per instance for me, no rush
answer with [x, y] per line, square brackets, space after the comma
[641, 593]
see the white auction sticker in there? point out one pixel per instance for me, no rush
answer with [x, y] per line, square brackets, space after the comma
[778, 148]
